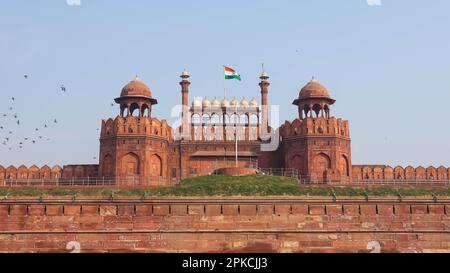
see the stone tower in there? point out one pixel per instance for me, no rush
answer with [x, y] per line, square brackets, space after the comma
[185, 124]
[134, 145]
[264, 86]
[317, 143]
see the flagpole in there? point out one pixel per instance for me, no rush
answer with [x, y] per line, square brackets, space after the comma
[224, 85]
[235, 141]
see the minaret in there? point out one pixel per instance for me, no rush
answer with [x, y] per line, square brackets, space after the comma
[264, 85]
[184, 102]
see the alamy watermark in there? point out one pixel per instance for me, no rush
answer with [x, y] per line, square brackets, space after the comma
[73, 2]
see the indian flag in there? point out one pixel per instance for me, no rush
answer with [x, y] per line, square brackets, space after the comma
[231, 73]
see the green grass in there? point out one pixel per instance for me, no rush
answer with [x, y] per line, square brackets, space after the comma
[223, 185]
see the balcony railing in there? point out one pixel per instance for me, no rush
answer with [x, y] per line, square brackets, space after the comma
[127, 181]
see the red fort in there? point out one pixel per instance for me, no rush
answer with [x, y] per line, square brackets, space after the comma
[138, 149]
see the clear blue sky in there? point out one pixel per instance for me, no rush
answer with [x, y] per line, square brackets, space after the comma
[387, 66]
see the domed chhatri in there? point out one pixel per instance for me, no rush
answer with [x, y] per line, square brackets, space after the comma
[135, 95]
[313, 89]
[314, 100]
[136, 88]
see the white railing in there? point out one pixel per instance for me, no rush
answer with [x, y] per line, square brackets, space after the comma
[127, 181]
[399, 182]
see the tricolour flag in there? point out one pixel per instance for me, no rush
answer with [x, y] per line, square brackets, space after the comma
[231, 73]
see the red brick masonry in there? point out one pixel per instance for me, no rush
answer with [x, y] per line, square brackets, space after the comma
[281, 224]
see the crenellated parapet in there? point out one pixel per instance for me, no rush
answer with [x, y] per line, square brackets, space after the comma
[79, 171]
[28, 173]
[398, 173]
[315, 126]
[131, 125]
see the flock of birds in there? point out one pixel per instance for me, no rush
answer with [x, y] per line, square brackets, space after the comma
[9, 119]
[10, 141]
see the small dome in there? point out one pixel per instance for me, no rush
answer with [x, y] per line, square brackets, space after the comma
[184, 74]
[264, 75]
[136, 88]
[253, 103]
[216, 103]
[244, 102]
[225, 103]
[234, 102]
[197, 102]
[314, 90]
[206, 102]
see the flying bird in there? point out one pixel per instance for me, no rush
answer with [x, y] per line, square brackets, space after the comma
[63, 88]
[18, 122]
[25, 76]
[34, 141]
[45, 125]
[1, 127]
[55, 121]
[12, 98]
[15, 115]
[10, 108]
[37, 129]
[10, 132]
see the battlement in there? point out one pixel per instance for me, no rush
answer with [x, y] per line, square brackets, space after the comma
[388, 173]
[33, 172]
[135, 125]
[86, 170]
[315, 126]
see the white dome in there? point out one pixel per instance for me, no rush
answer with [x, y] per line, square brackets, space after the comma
[244, 102]
[184, 73]
[216, 103]
[253, 103]
[225, 102]
[206, 102]
[234, 102]
[197, 102]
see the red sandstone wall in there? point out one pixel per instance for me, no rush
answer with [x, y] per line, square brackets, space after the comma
[45, 172]
[388, 173]
[34, 172]
[230, 225]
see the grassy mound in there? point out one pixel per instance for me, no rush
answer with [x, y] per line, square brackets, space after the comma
[224, 185]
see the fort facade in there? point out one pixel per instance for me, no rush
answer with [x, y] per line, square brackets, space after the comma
[139, 149]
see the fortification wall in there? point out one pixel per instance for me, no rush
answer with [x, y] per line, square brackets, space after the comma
[388, 173]
[226, 225]
[45, 172]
